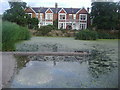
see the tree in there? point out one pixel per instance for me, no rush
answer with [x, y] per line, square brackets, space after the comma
[118, 13]
[16, 13]
[32, 23]
[104, 15]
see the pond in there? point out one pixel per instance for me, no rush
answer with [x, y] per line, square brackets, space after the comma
[97, 70]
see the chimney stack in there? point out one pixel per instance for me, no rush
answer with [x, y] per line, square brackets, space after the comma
[56, 7]
[88, 9]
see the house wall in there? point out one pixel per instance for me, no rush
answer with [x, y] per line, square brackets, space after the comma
[83, 11]
[28, 10]
[47, 22]
[67, 16]
[62, 12]
[43, 15]
[56, 16]
[48, 12]
[62, 22]
[33, 15]
[88, 21]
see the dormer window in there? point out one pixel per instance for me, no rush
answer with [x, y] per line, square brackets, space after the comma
[83, 17]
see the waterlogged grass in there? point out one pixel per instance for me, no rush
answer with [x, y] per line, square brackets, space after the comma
[11, 33]
[63, 44]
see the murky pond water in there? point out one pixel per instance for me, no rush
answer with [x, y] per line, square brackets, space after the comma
[98, 70]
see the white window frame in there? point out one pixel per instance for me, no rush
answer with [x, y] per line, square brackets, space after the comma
[62, 14]
[74, 16]
[83, 24]
[46, 17]
[41, 16]
[64, 25]
[83, 15]
[30, 14]
[49, 23]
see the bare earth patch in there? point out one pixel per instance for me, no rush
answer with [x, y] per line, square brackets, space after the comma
[8, 67]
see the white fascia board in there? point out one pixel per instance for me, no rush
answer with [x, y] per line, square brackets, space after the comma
[61, 10]
[32, 10]
[79, 11]
[48, 9]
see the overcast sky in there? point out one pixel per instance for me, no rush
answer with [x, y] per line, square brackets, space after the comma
[50, 3]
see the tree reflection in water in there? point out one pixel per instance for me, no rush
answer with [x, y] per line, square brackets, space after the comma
[21, 61]
[98, 62]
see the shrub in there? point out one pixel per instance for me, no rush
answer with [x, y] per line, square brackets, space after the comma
[86, 35]
[105, 35]
[11, 33]
[52, 27]
[55, 23]
[32, 23]
[44, 30]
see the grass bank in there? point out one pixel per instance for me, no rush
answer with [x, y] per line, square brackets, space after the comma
[12, 33]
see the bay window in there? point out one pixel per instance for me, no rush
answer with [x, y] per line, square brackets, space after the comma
[62, 17]
[83, 26]
[49, 16]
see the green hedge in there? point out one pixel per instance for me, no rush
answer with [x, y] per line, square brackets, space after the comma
[44, 30]
[86, 35]
[106, 36]
[93, 35]
[11, 33]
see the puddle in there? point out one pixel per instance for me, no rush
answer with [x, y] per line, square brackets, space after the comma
[66, 71]
[99, 70]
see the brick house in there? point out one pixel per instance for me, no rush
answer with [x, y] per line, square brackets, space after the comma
[68, 18]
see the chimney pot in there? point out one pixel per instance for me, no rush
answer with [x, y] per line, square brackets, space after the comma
[56, 5]
[88, 9]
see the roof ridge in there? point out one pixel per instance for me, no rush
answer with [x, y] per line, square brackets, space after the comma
[43, 9]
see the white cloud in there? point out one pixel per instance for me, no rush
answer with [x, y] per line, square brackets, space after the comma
[51, 3]
[61, 3]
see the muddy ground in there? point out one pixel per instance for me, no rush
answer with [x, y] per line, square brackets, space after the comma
[7, 69]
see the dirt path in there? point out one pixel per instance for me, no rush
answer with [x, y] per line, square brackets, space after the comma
[8, 66]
